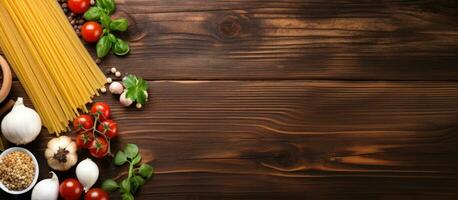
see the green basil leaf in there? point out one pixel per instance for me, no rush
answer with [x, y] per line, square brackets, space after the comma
[120, 158]
[134, 185]
[139, 180]
[108, 5]
[125, 186]
[142, 84]
[131, 150]
[146, 171]
[141, 97]
[136, 182]
[110, 185]
[121, 47]
[105, 20]
[119, 24]
[113, 38]
[132, 93]
[127, 196]
[130, 81]
[137, 159]
[136, 89]
[103, 46]
[93, 14]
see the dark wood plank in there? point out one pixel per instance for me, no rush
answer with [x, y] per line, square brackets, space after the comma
[291, 140]
[294, 39]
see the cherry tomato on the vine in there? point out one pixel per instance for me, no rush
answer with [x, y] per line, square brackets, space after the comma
[79, 6]
[102, 109]
[109, 128]
[91, 31]
[71, 189]
[84, 140]
[96, 194]
[99, 147]
[83, 123]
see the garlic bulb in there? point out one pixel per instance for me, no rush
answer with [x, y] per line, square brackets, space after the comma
[22, 125]
[61, 153]
[87, 173]
[47, 189]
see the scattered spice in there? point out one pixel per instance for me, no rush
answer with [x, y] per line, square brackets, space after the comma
[17, 170]
[76, 20]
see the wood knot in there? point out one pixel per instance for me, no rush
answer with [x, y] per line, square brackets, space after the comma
[136, 31]
[230, 26]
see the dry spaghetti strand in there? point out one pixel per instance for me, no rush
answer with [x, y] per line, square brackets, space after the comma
[49, 60]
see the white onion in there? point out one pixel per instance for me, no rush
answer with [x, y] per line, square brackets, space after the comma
[47, 189]
[87, 173]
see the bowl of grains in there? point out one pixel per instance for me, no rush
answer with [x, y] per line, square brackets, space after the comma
[18, 170]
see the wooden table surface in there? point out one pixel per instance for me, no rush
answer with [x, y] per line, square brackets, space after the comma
[290, 99]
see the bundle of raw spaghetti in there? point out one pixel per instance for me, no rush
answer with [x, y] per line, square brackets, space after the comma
[49, 60]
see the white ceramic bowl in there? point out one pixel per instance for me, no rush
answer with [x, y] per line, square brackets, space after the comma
[37, 170]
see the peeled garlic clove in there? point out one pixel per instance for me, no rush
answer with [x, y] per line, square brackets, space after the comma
[124, 100]
[87, 173]
[116, 88]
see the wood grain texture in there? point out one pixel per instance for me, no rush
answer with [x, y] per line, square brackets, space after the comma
[291, 140]
[291, 99]
[294, 39]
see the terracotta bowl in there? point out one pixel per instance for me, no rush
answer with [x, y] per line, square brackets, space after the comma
[6, 79]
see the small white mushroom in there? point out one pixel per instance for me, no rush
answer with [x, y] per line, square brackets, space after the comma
[116, 88]
[124, 100]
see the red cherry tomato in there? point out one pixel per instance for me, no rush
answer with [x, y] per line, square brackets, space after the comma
[83, 123]
[96, 194]
[99, 147]
[79, 6]
[109, 127]
[91, 31]
[71, 189]
[102, 109]
[84, 140]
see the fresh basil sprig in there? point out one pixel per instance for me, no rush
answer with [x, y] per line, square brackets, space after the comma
[103, 46]
[121, 47]
[108, 5]
[136, 177]
[93, 14]
[136, 89]
[105, 20]
[101, 12]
